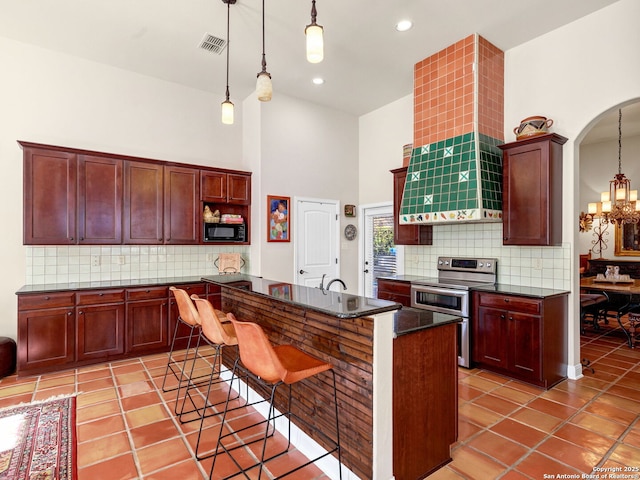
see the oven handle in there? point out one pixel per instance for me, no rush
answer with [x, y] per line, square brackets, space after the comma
[439, 290]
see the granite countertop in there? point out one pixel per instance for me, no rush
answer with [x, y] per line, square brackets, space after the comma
[138, 282]
[336, 304]
[408, 320]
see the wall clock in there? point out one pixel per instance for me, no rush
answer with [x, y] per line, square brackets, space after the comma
[350, 232]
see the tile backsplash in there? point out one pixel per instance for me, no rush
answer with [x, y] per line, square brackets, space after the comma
[546, 267]
[65, 264]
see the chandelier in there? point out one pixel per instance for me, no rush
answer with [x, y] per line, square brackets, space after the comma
[620, 204]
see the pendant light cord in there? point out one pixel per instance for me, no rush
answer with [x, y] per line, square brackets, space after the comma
[228, 14]
[264, 61]
[619, 140]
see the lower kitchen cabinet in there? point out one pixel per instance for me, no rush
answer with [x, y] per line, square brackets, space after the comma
[395, 291]
[147, 319]
[100, 324]
[521, 337]
[46, 332]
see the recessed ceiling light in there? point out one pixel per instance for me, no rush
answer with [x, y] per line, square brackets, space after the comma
[318, 81]
[404, 25]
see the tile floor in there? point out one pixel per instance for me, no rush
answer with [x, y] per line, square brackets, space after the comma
[127, 428]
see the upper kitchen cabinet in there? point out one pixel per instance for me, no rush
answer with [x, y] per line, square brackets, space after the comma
[181, 205]
[50, 184]
[230, 188]
[532, 191]
[143, 203]
[406, 234]
[99, 200]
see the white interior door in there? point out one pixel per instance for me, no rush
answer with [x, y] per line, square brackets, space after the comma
[316, 241]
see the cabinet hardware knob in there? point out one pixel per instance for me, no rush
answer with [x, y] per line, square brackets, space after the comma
[69, 313]
[101, 294]
[502, 316]
[147, 291]
[71, 239]
[506, 300]
[80, 312]
[47, 298]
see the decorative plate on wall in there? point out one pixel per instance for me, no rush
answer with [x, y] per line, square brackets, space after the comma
[350, 232]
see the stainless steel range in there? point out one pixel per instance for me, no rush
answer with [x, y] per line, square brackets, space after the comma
[450, 293]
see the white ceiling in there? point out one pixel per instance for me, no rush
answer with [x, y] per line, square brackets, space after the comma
[367, 63]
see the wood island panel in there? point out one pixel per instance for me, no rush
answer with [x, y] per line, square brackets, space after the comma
[345, 343]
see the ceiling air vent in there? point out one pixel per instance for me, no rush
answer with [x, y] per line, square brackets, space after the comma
[213, 44]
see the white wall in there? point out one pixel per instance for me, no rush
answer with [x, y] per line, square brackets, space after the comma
[56, 99]
[307, 151]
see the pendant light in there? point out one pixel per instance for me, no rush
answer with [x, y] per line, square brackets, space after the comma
[264, 88]
[227, 105]
[315, 41]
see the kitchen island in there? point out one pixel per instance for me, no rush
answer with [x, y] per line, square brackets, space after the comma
[396, 373]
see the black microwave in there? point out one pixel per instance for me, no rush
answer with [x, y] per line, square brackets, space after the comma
[225, 232]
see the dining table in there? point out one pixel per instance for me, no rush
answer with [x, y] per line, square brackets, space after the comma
[629, 292]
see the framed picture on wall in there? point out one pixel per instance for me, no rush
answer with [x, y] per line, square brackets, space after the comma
[278, 219]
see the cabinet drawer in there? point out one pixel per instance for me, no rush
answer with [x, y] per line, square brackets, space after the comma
[520, 304]
[391, 286]
[395, 297]
[192, 288]
[146, 293]
[97, 297]
[50, 300]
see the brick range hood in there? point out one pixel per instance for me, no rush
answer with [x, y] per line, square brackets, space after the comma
[455, 171]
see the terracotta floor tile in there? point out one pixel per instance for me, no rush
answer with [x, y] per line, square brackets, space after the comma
[609, 411]
[446, 473]
[494, 377]
[17, 389]
[139, 401]
[466, 429]
[132, 377]
[552, 408]
[570, 454]
[564, 398]
[626, 392]
[94, 451]
[598, 424]
[153, 433]
[513, 475]
[162, 455]
[473, 464]
[496, 404]
[100, 428]
[498, 447]
[15, 400]
[118, 468]
[478, 415]
[519, 432]
[466, 392]
[536, 419]
[514, 395]
[54, 392]
[480, 383]
[99, 396]
[632, 438]
[537, 466]
[627, 455]
[96, 384]
[588, 439]
[96, 411]
[89, 375]
[184, 470]
[146, 415]
[57, 382]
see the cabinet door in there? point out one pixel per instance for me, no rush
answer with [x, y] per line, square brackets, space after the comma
[45, 339]
[182, 335]
[238, 189]
[532, 191]
[182, 217]
[406, 234]
[395, 291]
[525, 348]
[213, 186]
[147, 326]
[99, 200]
[100, 331]
[143, 197]
[49, 197]
[491, 337]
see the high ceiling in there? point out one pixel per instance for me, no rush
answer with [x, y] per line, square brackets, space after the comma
[367, 62]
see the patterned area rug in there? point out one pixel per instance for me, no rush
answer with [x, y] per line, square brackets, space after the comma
[38, 440]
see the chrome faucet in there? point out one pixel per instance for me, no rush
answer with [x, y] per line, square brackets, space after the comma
[321, 287]
[344, 287]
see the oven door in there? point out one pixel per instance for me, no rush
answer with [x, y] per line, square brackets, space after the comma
[439, 299]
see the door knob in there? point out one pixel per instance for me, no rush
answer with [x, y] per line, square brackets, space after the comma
[366, 270]
[301, 272]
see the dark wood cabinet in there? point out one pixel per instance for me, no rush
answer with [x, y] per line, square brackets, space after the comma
[143, 203]
[395, 291]
[147, 319]
[183, 332]
[182, 216]
[532, 191]
[522, 337]
[46, 332]
[74, 196]
[406, 234]
[50, 185]
[425, 401]
[100, 316]
[99, 200]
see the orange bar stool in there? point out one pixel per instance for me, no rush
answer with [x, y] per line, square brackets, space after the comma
[218, 334]
[275, 366]
[188, 316]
